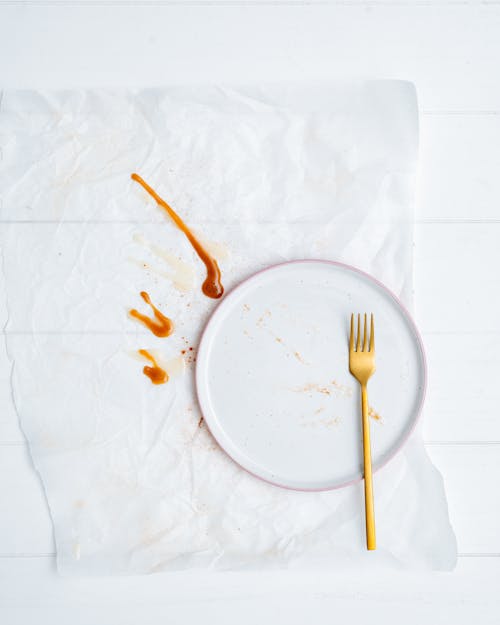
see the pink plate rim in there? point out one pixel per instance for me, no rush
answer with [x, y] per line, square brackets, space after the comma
[416, 333]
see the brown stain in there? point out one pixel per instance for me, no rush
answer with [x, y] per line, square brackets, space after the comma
[309, 388]
[188, 353]
[262, 319]
[330, 422]
[200, 422]
[212, 286]
[326, 389]
[344, 390]
[160, 326]
[156, 374]
[373, 414]
[326, 422]
[261, 323]
[298, 356]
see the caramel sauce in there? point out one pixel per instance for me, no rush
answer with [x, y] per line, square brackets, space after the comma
[160, 326]
[156, 374]
[212, 286]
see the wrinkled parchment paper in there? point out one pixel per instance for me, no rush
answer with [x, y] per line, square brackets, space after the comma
[263, 174]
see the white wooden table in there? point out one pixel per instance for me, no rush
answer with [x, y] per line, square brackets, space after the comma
[451, 50]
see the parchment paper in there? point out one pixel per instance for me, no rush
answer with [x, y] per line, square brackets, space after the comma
[134, 481]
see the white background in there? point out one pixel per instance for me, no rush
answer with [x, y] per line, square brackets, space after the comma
[451, 50]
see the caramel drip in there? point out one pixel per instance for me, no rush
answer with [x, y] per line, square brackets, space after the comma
[160, 326]
[212, 286]
[156, 374]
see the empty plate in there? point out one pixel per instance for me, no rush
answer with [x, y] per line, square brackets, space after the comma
[273, 380]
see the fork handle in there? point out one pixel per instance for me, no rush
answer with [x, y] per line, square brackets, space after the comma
[371, 542]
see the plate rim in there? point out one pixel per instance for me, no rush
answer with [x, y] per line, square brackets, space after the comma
[409, 319]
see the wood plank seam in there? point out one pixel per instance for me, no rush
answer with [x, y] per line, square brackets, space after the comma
[424, 4]
[427, 443]
[7, 556]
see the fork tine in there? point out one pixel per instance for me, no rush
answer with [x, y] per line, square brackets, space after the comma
[365, 336]
[372, 334]
[351, 335]
[358, 341]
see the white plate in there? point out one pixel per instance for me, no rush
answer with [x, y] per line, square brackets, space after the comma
[273, 380]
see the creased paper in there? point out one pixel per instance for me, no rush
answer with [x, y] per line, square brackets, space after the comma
[263, 174]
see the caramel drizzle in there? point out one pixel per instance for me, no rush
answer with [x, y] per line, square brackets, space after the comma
[212, 286]
[156, 374]
[160, 326]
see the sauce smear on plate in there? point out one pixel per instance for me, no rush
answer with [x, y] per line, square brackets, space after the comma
[156, 374]
[212, 286]
[160, 326]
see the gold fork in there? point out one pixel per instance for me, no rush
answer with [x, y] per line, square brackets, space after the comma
[362, 367]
